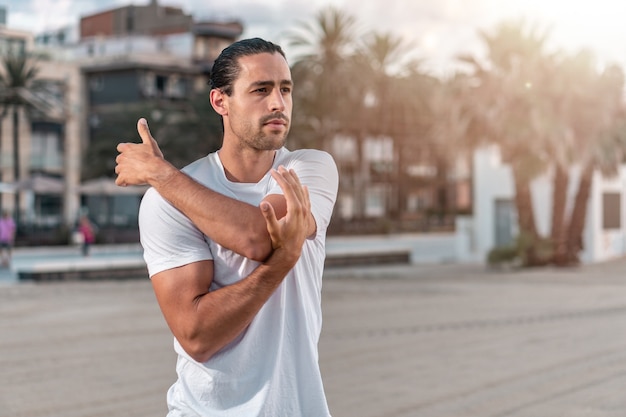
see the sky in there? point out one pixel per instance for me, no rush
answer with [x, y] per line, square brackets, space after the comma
[437, 30]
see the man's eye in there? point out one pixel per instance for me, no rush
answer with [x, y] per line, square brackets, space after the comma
[261, 90]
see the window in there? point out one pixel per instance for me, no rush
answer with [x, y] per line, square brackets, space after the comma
[505, 222]
[161, 82]
[46, 151]
[611, 211]
[12, 46]
[130, 20]
[96, 83]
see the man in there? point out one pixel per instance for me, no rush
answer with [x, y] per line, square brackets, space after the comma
[7, 237]
[235, 248]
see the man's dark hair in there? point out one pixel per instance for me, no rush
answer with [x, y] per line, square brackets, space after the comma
[226, 67]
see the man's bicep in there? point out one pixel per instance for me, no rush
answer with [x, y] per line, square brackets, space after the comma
[178, 290]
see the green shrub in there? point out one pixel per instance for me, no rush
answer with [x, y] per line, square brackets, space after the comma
[518, 251]
[502, 255]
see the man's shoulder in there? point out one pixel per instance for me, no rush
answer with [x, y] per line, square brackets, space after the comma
[199, 165]
[316, 155]
[151, 198]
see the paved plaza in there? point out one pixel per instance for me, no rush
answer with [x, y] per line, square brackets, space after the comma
[398, 341]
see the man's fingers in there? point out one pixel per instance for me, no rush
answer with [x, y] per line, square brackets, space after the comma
[290, 184]
[270, 218]
[300, 190]
[307, 197]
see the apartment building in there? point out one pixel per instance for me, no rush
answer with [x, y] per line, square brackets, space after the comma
[86, 74]
[41, 185]
[150, 20]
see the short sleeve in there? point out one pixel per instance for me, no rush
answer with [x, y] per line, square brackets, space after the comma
[317, 170]
[168, 237]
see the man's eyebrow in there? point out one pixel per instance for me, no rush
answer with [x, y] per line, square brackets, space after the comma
[270, 83]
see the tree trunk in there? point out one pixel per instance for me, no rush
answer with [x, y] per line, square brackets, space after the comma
[361, 180]
[399, 173]
[1, 162]
[579, 216]
[16, 162]
[558, 233]
[443, 202]
[525, 218]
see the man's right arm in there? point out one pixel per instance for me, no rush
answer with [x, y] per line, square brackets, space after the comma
[205, 321]
[246, 231]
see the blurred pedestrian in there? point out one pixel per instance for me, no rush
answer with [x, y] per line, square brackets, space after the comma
[7, 238]
[87, 230]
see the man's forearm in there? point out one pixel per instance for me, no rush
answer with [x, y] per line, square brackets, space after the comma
[223, 314]
[233, 224]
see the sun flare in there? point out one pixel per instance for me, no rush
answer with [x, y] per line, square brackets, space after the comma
[597, 25]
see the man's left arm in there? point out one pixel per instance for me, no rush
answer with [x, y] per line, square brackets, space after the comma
[233, 224]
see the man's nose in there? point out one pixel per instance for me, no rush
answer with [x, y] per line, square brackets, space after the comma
[277, 101]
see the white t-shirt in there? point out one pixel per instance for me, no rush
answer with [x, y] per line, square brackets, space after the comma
[271, 369]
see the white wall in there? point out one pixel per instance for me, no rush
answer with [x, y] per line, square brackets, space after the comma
[605, 244]
[492, 180]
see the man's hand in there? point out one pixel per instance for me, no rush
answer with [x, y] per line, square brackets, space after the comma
[288, 234]
[140, 163]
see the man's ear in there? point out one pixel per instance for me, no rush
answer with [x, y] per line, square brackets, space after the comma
[218, 101]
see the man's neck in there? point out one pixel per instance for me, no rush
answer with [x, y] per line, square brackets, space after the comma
[247, 166]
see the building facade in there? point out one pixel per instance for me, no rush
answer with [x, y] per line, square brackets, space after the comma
[150, 20]
[494, 220]
[48, 139]
[146, 54]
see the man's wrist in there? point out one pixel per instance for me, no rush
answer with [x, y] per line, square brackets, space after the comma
[164, 173]
[283, 258]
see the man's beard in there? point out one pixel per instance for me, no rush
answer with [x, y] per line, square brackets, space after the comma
[263, 142]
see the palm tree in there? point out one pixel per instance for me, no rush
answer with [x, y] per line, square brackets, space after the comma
[566, 90]
[584, 130]
[19, 91]
[598, 120]
[550, 112]
[323, 70]
[15, 80]
[454, 129]
[327, 94]
[514, 115]
[382, 60]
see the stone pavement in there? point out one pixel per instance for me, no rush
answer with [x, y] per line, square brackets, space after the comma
[398, 341]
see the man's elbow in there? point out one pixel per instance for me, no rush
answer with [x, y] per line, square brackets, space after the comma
[197, 350]
[257, 249]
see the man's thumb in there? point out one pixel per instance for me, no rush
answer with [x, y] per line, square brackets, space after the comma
[270, 217]
[144, 131]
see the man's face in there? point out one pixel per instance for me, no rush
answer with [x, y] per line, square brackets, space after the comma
[259, 109]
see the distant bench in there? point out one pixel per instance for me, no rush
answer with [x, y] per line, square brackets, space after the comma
[94, 268]
[366, 257]
[83, 269]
